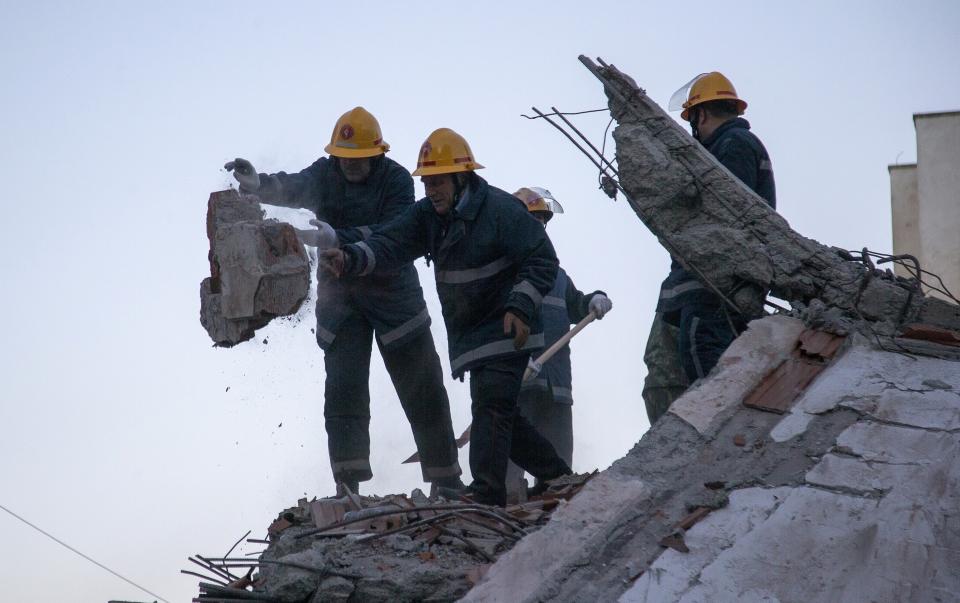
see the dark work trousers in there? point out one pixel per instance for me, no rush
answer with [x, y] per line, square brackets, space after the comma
[500, 433]
[418, 378]
[704, 335]
[666, 380]
[554, 421]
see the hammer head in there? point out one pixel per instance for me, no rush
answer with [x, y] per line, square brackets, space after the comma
[533, 369]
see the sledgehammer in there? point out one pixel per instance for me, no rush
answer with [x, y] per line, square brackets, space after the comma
[535, 366]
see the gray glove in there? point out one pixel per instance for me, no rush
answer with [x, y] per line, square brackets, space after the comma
[244, 173]
[324, 237]
[600, 304]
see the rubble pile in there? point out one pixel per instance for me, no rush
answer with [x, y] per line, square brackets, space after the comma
[258, 269]
[764, 484]
[393, 548]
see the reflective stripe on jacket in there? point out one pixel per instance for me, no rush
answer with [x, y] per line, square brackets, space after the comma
[391, 301]
[490, 256]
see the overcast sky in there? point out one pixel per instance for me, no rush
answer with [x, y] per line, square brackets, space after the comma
[129, 437]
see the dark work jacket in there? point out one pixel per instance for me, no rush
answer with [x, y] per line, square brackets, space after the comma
[392, 301]
[563, 306]
[489, 256]
[741, 152]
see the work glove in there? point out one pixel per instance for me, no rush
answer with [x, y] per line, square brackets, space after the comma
[324, 237]
[514, 324]
[600, 304]
[244, 173]
[332, 261]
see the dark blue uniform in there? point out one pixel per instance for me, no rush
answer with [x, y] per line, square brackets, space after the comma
[563, 306]
[705, 330]
[490, 256]
[350, 311]
[546, 401]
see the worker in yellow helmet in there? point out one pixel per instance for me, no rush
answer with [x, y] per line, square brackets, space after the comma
[693, 327]
[547, 400]
[493, 265]
[351, 191]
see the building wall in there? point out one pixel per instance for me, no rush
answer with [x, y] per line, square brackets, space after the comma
[905, 209]
[934, 234]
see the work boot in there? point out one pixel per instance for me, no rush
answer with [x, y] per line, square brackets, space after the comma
[451, 488]
[542, 485]
[467, 494]
[348, 484]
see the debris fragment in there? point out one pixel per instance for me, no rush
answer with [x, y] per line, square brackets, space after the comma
[381, 548]
[930, 333]
[780, 389]
[258, 269]
[675, 541]
[695, 516]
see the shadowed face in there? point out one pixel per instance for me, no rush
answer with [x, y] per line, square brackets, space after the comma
[441, 190]
[356, 170]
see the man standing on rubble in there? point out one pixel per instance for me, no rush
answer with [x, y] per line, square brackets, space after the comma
[351, 191]
[493, 264]
[692, 324]
[547, 400]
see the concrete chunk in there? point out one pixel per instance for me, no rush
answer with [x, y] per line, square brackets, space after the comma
[258, 269]
[759, 350]
[726, 234]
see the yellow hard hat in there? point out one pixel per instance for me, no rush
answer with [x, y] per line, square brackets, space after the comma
[539, 199]
[445, 152]
[704, 88]
[357, 134]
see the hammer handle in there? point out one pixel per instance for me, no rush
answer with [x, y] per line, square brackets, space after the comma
[561, 342]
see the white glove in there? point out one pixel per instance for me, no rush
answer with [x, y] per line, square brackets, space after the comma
[244, 173]
[324, 237]
[600, 304]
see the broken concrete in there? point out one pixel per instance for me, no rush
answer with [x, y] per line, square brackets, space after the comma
[729, 237]
[763, 346]
[258, 269]
[395, 548]
[854, 506]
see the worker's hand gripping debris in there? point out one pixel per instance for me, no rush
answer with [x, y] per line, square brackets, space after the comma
[332, 261]
[244, 173]
[324, 237]
[600, 305]
[514, 324]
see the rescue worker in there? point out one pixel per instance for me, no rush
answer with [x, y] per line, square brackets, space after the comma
[493, 264]
[547, 400]
[351, 191]
[705, 327]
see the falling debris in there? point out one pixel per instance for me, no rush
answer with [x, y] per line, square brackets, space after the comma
[258, 269]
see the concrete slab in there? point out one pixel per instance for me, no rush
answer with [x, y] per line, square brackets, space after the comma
[673, 572]
[760, 349]
[876, 442]
[924, 392]
[880, 524]
[817, 546]
[540, 558]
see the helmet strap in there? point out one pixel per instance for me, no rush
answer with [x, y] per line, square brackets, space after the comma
[694, 121]
[458, 189]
